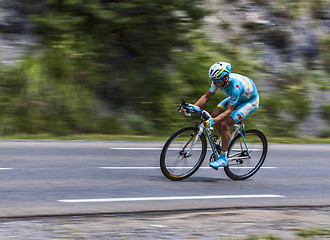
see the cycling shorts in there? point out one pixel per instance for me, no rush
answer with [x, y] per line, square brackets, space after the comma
[242, 109]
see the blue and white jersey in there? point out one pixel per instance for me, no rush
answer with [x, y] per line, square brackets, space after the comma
[241, 89]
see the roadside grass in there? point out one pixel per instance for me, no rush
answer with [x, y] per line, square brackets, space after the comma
[253, 237]
[314, 233]
[144, 138]
[299, 140]
[86, 137]
[301, 234]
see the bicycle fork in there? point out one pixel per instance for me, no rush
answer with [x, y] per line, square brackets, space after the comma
[200, 131]
[212, 143]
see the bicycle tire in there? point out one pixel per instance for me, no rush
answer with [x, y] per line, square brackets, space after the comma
[175, 161]
[240, 165]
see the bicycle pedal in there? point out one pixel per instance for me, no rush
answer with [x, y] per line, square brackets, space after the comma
[214, 168]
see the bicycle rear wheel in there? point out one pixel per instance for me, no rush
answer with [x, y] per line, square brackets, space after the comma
[181, 155]
[246, 158]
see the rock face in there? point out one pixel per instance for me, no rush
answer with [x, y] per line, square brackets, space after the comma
[16, 32]
[284, 40]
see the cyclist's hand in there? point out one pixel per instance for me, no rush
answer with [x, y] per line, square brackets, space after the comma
[209, 123]
[190, 108]
[184, 112]
[194, 108]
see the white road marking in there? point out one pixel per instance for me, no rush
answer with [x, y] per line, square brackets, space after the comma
[153, 149]
[149, 168]
[158, 226]
[168, 198]
[199, 149]
[253, 167]
[136, 148]
[5, 168]
[129, 168]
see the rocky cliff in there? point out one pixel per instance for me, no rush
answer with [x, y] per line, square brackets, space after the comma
[282, 38]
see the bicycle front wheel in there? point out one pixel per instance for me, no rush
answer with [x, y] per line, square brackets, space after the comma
[246, 154]
[183, 154]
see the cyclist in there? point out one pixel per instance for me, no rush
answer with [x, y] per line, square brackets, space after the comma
[242, 100]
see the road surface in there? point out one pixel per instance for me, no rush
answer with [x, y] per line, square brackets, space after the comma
[79, 177]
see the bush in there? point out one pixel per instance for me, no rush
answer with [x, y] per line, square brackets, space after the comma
[319, 9]
[33, 101]
[325, 49]
[325, 110]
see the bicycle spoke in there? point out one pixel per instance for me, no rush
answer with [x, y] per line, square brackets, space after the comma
[246, 155]
[183, 154]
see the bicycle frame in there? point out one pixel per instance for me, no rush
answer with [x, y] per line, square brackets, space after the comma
[239, 129]
[210, 138]
[178, 161]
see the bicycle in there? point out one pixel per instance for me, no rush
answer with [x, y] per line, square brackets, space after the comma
[184, 152]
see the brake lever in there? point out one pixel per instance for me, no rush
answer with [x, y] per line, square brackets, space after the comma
[206, 115]
[183, 105]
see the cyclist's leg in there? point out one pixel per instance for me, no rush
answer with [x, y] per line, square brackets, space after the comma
[224, 128]
[218, 110]
[242, 110]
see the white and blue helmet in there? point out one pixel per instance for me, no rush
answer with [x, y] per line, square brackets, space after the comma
[219, 70]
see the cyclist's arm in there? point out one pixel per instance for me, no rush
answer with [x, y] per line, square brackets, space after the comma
[204, 99]
[230, 108]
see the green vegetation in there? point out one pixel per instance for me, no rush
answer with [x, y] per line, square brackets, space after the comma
[145, 138]
[33, 101]
[117, 67]
[319, 8]
[314, 233]
[266, 237]
[326, 111]
[325, 44]
[107, 54]
[302, 234]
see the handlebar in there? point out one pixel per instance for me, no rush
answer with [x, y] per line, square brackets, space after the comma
[183, 104]
[205, 114]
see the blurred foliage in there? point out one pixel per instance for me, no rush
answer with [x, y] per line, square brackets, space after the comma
[300, 233]
[326, 133]
[106, 52]
[320, 79]
[319, 8]
[325, 109]
[282, 111]
[313, 233]
[33, 101]
[288, 8]
[129, 48]
[325, 45]
[114, 67]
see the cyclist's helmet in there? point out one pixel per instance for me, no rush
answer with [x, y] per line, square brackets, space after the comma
[219, 70]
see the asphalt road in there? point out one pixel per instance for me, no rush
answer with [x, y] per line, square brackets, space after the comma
[79, 177]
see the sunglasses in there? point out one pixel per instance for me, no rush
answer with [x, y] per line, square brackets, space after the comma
[218, 80]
